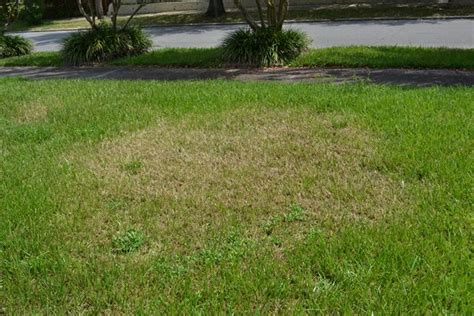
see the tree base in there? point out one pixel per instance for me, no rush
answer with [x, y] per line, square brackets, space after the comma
[215, 9]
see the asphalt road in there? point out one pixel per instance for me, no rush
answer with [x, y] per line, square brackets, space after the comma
[457, 33]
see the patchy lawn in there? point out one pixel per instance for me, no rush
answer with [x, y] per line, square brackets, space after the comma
[149, 197]
[353, 56]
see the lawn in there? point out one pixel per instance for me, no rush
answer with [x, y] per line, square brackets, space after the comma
[321, 13]
[214, 196]
[353, 56]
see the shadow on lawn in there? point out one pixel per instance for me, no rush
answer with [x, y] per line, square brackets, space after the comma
[402, 77]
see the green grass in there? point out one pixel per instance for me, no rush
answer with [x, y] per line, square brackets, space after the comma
[127, 242]
[40, 59]
[184, 197]
[387, 57]
[354, 56]
[176, 57]
[322, 13]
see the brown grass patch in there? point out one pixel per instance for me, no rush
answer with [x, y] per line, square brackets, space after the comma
[32, 112]
[37, 110]
[185, 182]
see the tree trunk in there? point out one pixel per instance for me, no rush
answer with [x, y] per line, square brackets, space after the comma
[260, 14]
[215, 8]
[99, 10]
[250, 20]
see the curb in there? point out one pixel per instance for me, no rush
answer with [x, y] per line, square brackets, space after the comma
[469, 17]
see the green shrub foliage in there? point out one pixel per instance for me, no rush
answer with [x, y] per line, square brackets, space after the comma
[264, 46]
[104, 43]
[14, 46]
[9, 12]
[33, 12]
[60, 9]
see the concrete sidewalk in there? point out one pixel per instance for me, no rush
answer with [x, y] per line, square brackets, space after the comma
[404, 77]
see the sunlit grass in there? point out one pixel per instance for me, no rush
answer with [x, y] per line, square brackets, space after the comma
[215, 196]
[354, 56]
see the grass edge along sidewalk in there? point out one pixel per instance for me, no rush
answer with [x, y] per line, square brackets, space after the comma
[353, 56]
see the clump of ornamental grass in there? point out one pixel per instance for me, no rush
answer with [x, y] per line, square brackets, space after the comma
[14, 45]
[263, 47]
[104, 43]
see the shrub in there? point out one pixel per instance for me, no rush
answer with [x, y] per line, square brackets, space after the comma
[33, 12]
[104, 43]
[14, 46]
[264, 46]
[9, 12]
[60, 9]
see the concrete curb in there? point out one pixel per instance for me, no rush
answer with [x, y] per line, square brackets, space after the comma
[469, 17]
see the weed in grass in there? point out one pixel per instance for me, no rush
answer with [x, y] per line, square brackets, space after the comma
[117, 204]
[132, 167]
[269, 225]
[129, 241]
[339, 123]
[169, 269]
[323, 285]
[276, 241]
[229, 248]
[295, 214]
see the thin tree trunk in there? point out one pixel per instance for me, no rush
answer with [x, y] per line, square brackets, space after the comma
[115, 7]
[86, 16]
[282, 13]
[99, 10]
[260, 13]
[215, 8]
[271, 13]
[250, 21]
[141, 5]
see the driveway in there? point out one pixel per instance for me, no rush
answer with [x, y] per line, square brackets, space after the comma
[455, 33]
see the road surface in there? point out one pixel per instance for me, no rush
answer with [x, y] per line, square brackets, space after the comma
[457, 33]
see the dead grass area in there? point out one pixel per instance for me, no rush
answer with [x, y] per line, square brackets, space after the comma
[185, 182]
[32, 112]
[36, 110]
